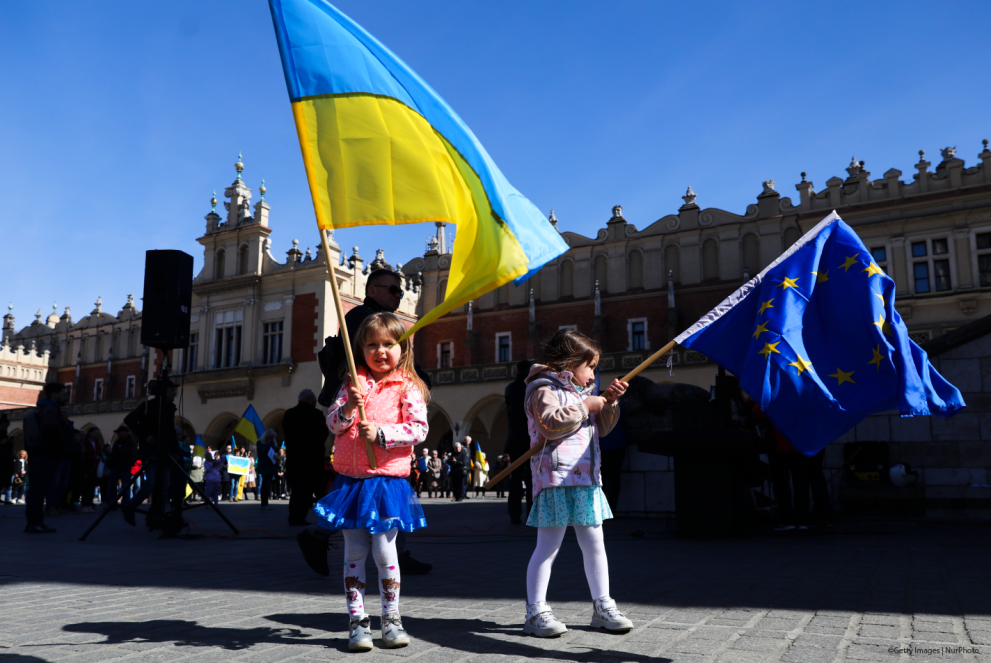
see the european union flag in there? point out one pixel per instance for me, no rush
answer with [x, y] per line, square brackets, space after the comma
[816, 341]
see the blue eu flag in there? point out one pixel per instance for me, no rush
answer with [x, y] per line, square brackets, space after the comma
[816, 341]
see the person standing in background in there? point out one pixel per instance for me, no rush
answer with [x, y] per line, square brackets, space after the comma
[306, 442]
[518, 443]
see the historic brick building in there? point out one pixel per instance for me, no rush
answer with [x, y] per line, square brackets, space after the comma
[634, 289]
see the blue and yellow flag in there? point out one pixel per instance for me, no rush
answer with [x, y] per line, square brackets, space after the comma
[250, 427]
[199, 447]
[816, 341]
[381, 147]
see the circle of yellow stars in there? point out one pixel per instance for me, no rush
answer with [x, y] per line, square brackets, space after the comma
[801, 365]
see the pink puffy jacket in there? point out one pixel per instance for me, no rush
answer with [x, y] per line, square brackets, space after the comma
[402, 418]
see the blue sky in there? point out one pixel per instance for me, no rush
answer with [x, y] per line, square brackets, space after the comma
[120, 119]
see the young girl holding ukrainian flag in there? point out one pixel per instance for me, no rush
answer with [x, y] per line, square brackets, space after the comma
[369, 505]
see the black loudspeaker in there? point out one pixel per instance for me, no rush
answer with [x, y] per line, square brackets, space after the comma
[168, 298]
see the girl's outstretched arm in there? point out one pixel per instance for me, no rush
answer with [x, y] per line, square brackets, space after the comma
[414, 428]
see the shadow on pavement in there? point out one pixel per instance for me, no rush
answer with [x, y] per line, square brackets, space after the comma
[472, 636]
[190, 634]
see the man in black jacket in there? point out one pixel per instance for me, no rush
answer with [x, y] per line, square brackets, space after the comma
[306, 435]
[44, 439]
[518, 443]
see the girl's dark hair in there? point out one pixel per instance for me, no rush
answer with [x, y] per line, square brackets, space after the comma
[568, 349]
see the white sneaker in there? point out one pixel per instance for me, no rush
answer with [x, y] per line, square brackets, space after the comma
[360, 634]
[606, 615]
[393, 633]
[540, 621]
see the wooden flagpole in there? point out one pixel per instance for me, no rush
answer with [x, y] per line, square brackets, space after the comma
[369, 449]
[534, 449]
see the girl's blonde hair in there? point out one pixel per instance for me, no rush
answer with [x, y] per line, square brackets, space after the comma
[391, 325]
[569, 349]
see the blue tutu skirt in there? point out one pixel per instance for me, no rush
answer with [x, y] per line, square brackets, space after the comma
[376, 504]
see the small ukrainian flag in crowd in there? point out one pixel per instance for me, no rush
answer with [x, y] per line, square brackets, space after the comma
[816, 341]
[250, 426]
[199, 447]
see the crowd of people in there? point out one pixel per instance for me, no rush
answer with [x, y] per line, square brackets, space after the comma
[450, 474]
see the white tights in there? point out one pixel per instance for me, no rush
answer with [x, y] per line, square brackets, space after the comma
[357, 543]
[549, 539]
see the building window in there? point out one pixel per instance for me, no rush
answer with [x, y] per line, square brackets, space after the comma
[445, 355]
[98, 390]
[636, 332]
[272, 342]
[672, 263]
[242, 260]
[68, 392]
[132, 383]
[218, 264]
[634, 267]
[984, 259]
[191, 354]
[227, 339]
[504, 347]
[879, 255]
[931, 266]
[567, 279]
[710, 259]
[751, 254]
[601, 271]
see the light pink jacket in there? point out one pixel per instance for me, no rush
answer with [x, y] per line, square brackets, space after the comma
[555, 411]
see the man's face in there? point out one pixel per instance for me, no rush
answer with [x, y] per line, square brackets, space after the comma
[426, 452]
[227, 449]
[457, 446]
[311, 399]
[387, 291]
[59, 397]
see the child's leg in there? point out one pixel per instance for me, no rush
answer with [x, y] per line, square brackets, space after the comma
[356, 545]
[596, 565]
[538, 573]
[387, 560]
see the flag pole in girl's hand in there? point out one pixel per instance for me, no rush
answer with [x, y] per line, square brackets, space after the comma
[369, 449]
[537, 447]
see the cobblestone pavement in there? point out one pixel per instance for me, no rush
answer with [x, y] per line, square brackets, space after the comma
[868, 591]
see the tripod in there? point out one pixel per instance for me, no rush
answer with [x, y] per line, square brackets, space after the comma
[170, 521]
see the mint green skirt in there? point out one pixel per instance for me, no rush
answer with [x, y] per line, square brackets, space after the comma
[569, 505]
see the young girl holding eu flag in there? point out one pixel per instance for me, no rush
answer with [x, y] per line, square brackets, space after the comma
[369, 505]
[567, 483]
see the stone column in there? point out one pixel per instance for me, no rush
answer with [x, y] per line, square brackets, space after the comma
[961, 246]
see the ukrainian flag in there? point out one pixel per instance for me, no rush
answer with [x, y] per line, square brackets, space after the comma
[381, 147]
[250, 427]
[199, 447]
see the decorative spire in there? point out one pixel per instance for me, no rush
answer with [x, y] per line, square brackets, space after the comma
[922, 156]
[239, 166]
[37, 317]
[689, 197]
[99, 306]
[213, 203]
[552, 219]
[803, 177]
[262, 189]
[948, 153]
